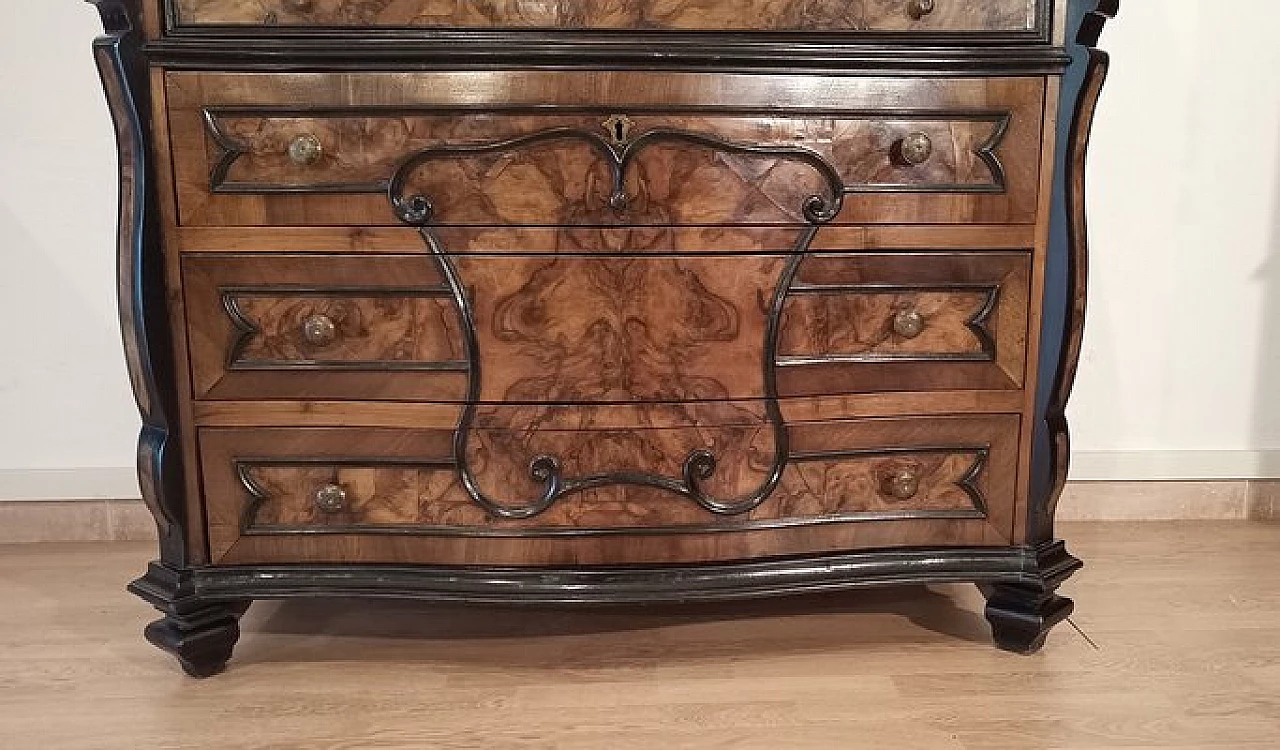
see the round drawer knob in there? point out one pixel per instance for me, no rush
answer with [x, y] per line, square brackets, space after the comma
[331, 498]
[918, 9]
[306, 6]
[902, 486]
[319, 330]
[915, 148]
[908, 323]
[305, 150]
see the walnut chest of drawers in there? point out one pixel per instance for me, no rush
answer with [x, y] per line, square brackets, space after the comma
[600, 301]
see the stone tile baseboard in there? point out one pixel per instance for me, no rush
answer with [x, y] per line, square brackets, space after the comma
[1234, 500]
[75, 521]
[128, 520]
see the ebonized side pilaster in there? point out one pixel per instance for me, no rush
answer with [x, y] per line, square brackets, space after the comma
[1021, 615]
[201, 634]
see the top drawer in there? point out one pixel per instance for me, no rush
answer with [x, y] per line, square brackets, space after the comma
[602, 148]
[920, 16]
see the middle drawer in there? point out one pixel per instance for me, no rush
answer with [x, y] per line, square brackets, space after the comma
[601, 328]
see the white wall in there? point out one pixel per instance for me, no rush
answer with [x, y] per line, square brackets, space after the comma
[1181, 368]
[65, 401]
[1181, 372]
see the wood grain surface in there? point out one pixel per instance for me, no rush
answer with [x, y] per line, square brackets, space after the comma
[379, 239]
[375, 332]
[359, 153]
[1178, 648]
[861, 122]
[861, 324]
[603, 328]
[837, 333]
[312, 413]
[408, 497]
[743, 15]
[402, 479]
[393, 319]
[651, 328]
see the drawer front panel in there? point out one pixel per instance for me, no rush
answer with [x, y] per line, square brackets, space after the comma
[301, 327]
[953, 151]
[582, 329]
[389, 495]
[905, 322]
[682, 15]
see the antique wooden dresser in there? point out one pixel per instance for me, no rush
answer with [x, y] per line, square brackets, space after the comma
[600, 301]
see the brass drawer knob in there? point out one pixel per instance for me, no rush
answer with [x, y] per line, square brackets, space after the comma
[915, 148]
[305, 150]
[331, 498]
[908, 323]
[903, 485]
[918, 9]
[319, 330]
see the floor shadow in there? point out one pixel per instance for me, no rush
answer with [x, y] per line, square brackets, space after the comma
[610, 636]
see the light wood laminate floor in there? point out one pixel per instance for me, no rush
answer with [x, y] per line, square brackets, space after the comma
[1178, 647]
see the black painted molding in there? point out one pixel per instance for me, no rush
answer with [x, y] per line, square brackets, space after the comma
[623, 585]
[141, 277]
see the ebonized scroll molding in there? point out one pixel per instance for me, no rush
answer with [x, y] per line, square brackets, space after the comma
[619, 153]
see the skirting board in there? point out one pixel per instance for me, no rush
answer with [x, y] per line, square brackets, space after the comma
[1167, 466]
[128, 520]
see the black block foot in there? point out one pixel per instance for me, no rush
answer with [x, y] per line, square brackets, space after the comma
[200, 633]
[1022, 614]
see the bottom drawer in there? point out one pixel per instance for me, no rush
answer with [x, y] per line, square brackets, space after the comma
[624, 495]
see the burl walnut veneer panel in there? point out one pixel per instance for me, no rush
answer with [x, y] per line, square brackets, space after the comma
[603, 328]
[400, 491]
[232, 138]
[704, 15]
[881, 322]
[387, 328]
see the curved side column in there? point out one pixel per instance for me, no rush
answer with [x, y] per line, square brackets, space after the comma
[200, 633]
[1022, 614]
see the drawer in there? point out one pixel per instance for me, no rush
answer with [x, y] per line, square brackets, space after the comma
[532, 148]
[298, 327]
[397, 496]
[877, 322]
[620, 15]
[595, 328]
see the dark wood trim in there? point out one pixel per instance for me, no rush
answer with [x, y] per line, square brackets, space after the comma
[623, 585]
[1067, 262]
[1021, 615]
[838, 52]
[200, 632]
[140, 269]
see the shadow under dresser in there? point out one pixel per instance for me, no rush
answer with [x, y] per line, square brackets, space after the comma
[586, 302]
